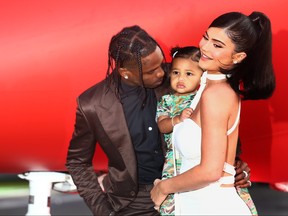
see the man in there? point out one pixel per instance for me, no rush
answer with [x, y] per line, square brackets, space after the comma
[119, 114]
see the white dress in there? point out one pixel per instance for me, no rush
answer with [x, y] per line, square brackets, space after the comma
[212, 199]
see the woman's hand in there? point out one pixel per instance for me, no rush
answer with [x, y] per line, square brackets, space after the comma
[242, 177]
[156, 195]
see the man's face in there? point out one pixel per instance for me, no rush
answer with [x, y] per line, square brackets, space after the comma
[152, 71]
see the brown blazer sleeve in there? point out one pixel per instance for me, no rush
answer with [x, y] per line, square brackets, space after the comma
[79, 164]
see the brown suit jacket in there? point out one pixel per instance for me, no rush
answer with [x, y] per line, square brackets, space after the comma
[100, 119]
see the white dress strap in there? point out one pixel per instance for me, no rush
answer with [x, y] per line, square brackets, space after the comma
[236, 121]
[199, 92]
[228, 168]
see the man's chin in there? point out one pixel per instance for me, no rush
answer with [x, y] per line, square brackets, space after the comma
[155, 85]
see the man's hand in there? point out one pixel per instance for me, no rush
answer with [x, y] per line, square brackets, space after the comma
[242, 177]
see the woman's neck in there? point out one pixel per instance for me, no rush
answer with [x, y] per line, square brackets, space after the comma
[216, 77]
[219, 76]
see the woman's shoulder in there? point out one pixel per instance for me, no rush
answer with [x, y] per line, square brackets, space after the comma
[218, 90]
[219, 96]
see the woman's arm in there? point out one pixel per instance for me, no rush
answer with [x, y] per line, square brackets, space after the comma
[214, 118]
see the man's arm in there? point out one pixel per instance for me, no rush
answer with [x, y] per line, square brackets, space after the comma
[79, 164]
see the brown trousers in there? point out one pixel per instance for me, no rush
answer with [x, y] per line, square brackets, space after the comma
[142, 205]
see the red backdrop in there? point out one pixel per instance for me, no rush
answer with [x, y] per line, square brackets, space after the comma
[53, 50]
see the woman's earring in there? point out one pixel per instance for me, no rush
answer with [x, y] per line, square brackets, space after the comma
[235, 61]
[125, 77]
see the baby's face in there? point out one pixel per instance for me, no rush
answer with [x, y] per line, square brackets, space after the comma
[185, 76]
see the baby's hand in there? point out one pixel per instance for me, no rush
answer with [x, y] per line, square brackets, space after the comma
[186, 113]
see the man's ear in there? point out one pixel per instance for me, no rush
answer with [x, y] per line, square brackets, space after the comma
[239, 57]
[124, 73]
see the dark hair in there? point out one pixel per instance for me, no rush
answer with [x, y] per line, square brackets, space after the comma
[252, 35]
[186, 52]
[126, 49]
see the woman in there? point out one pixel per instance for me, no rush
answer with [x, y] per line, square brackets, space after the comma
[236, 53]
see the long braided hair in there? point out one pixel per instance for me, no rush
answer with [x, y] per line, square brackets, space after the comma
[126, 49]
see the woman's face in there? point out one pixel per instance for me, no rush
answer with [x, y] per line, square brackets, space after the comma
[217, 50]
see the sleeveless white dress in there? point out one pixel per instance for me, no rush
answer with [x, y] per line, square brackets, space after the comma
[212, 199]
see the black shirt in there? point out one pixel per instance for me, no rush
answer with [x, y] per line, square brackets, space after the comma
[144, 132]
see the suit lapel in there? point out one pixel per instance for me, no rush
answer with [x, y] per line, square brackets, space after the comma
[112, 117]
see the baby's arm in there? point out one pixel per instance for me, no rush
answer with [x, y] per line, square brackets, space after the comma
[166, 124]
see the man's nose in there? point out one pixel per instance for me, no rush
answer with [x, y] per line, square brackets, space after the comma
[161, 73]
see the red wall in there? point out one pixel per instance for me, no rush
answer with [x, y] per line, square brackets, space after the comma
[53, 50]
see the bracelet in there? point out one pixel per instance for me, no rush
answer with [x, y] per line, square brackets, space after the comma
[172, 122]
